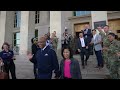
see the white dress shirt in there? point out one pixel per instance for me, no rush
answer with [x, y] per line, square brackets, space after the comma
[94, 36]
[82, 42]
[86, 31]
[44, 48]
[47, 42]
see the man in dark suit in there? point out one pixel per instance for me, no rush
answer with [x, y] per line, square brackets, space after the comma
[87, 33]
[47, 61]
[82, 46]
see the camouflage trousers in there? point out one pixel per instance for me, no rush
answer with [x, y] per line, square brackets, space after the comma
[114, 69]
[105, 59]
[119, 67]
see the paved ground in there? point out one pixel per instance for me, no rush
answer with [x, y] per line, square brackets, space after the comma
[24, 68]
[90, 72]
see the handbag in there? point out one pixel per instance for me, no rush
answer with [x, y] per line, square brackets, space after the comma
[3, 74]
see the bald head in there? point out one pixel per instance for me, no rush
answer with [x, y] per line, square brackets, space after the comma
[42, 38]
[42, 42]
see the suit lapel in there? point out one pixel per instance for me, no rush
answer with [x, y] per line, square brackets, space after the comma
[79, 41]
[85, 41]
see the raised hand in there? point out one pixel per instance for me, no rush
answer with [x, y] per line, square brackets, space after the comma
[30, 55]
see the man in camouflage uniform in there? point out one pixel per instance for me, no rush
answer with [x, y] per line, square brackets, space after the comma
[118, 56]
[113, 62]
[106, 44]
[101, 32]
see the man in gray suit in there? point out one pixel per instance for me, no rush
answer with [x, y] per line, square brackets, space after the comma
[97, 42]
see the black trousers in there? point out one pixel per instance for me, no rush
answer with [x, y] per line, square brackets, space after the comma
[10, 66]
[91, 50]
[84, 52]
[35, 71]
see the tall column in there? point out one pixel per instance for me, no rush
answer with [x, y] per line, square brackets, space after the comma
[44, 23]
[2, 27]
[9, 27]
[27, 29]
[58, 22]
[99, 17]
[56, 25]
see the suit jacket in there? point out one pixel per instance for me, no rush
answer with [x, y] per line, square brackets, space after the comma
[74, 69]
[97, 45]
[79, 46]
[46, 63]
[88, 34]
[34, 48]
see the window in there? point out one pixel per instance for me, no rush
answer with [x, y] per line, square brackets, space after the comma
[17, 39]
[36, 33]
[37, 16]
[118, 31]
[16, 42]
[17, 18]
[81, 13]
[100, 23]
[74, 13]
[48, 15]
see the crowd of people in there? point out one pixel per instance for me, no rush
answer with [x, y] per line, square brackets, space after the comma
[106, 47]
[44, 58]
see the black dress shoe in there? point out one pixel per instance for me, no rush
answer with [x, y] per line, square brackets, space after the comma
[102, 66]
[83, 67]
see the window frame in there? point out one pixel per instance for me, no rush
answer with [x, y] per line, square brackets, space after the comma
[17, 19]
[37, 17]
[81, 13]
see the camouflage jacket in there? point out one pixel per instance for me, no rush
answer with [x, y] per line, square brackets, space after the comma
[106, 42]
[113, 49]
[119, 50]
[102, 34]
[54, 42]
